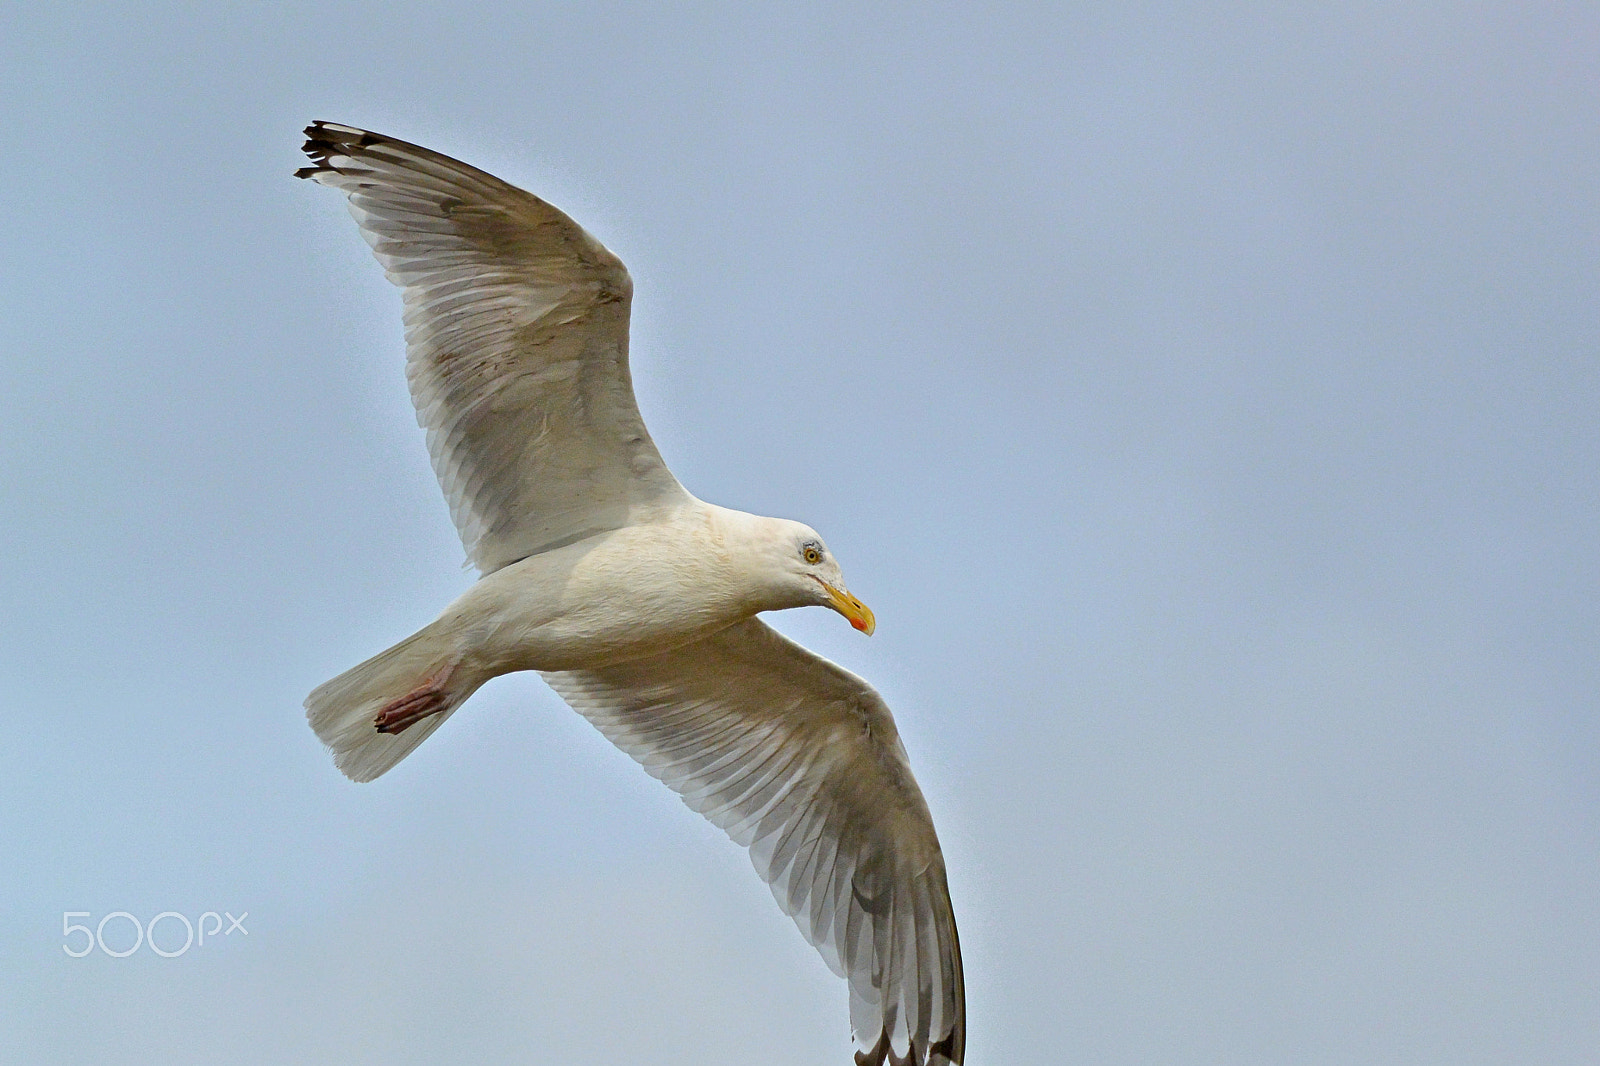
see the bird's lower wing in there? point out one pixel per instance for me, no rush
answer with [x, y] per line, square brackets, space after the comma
[799, 760]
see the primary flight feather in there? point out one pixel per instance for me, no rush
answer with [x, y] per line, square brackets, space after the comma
[636, 601]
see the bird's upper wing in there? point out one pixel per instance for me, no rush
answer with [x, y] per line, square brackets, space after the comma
[800, 761]
[517, 340]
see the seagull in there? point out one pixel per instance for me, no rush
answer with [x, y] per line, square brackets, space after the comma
[634, 600]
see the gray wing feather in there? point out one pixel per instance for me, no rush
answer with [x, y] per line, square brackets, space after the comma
[799, 760]
[517, 347]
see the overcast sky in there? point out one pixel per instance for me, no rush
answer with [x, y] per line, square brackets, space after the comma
[1204, 397]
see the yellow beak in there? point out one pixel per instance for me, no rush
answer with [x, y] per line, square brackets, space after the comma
[858, 613]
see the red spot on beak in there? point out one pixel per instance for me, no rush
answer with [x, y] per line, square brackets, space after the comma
[859, 624]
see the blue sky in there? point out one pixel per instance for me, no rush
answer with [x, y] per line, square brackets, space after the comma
[1203, 397]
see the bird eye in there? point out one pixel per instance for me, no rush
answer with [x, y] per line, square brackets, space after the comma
[812, 554]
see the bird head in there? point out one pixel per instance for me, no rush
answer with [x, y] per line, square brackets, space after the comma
[799, 568]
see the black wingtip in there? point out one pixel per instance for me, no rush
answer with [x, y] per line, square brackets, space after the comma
[950, 1050]
[322, 143]
[324, 140]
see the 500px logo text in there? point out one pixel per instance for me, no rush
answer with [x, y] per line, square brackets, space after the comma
[123, 925]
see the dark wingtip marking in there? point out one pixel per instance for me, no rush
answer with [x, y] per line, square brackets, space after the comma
[323, 143]
[947, 1048]
[876, 1054]
[325, 140]
[882, 1053]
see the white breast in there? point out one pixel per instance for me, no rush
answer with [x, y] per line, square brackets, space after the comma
[610, 598]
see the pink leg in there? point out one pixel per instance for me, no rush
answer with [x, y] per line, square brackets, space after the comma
[428, 698]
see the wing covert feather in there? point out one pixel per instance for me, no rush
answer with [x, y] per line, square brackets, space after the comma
[517, 347]
[799, 760]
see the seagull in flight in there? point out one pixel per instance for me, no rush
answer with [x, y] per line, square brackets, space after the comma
[637, 602]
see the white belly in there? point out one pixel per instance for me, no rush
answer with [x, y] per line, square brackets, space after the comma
[620, 595]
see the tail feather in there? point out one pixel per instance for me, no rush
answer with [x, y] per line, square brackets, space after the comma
[342, 711]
